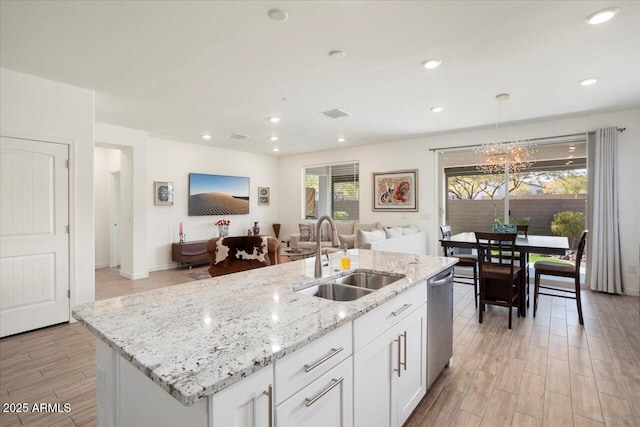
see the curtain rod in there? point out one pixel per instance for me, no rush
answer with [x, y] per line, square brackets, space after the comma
[532, 139]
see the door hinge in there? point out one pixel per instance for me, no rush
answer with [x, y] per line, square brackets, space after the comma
[69, 293]
[67, 228]
[68, 163]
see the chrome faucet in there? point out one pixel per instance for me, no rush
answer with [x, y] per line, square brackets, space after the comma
[318, 269]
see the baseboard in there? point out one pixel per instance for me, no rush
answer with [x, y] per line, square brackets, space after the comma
[101, 265]
[131, 276]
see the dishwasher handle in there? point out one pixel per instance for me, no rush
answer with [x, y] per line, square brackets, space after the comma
[441, 279]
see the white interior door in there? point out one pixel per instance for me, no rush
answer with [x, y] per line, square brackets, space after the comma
[34, 238]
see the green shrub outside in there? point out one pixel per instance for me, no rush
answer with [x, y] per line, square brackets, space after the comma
[569, 224]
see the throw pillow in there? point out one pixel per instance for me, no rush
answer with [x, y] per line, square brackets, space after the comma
[409, 229]
[305, 232]
[344, 227]
[242, 248]
[368, 237]
[365, 227]
[392, 232]
[347, 239]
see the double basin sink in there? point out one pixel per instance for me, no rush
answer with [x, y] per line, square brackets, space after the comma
[352, 286]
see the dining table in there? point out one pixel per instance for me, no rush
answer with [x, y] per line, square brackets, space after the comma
[538, 244]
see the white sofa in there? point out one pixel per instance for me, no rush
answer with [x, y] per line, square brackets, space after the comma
[366, 236]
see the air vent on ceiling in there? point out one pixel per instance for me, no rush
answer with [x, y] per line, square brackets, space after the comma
[238, 136]
[336, 114]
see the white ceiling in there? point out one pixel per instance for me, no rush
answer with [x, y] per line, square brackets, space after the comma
[180, 69]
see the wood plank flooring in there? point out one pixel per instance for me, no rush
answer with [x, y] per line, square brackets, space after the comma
[547, 371]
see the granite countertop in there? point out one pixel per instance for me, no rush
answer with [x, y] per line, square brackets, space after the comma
[197, 338]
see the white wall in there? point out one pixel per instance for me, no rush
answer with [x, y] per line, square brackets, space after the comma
[416, 154]
[42, 109]
[106, 161]
[173, 161]
[132, 144]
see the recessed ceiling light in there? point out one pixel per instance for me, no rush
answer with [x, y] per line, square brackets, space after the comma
[341, 139]
[206, 136]
[274, 119]
[602, 15]
[431, 63]
[572, 147]
[589, 81]
[336, 54]
[276, 149]
[437, 109]
[278, 15]
[274, 138]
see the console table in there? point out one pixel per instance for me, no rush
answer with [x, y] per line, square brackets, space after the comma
[189, 253]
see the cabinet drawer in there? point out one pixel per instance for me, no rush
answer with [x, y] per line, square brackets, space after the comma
[299, 368]
[328, 401]
[379, 320]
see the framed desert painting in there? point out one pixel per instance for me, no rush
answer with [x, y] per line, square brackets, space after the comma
[218, 195]
[163, 193]
[395, 191]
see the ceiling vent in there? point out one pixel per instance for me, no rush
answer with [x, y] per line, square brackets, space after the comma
[336, 114]
[238, 136]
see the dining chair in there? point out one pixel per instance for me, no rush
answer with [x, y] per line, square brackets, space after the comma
[464, 260]
[499, 275]
[562, 270]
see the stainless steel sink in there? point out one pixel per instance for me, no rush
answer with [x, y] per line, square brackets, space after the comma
[352, 286]
[335, 292]
[368, 280]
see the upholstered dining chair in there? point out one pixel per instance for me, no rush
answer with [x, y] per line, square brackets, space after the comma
[464, 260]
[562, 270]
[499, 275]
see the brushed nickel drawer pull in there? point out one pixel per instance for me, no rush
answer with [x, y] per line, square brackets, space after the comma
[333, 352]
[405, 350]
[399, 370]
[269, 393]
[334, 382]
[403, 308]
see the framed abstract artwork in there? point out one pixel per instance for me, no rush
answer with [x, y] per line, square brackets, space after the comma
[395, 191]
[163, 193]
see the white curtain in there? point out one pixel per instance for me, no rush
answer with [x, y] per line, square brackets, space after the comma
[604, 271]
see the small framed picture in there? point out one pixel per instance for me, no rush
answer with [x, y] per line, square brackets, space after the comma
[263, 196]
[395, 191]
[163, 193]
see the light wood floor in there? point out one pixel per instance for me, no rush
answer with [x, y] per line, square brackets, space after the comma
[549, 371]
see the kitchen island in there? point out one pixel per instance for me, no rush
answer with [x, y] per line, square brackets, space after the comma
[204, 341]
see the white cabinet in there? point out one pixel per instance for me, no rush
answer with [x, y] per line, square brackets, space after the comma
[390, 373]
[327, 401]
[247, 403]
[412, 381]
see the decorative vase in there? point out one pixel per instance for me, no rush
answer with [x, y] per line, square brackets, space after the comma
[223, 230]
[276, 230]
[256, 229]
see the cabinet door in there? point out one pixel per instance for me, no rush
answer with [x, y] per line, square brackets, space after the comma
[412, 382]
[374, 379]
[246, 403]
[327, 401]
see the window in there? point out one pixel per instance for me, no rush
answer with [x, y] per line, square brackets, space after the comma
[332, 190]
[555, 183]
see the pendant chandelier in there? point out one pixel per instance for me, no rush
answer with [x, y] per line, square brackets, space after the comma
[498, 157]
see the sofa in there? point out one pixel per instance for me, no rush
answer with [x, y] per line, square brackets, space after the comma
[233, 260]
[354, 234]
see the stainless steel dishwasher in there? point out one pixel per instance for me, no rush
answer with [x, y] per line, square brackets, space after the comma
[439, 324]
